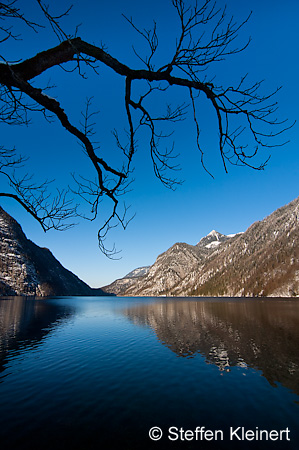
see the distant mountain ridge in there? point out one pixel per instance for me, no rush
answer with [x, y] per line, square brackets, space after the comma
[262, 261]
[122, 284]
[27, 269]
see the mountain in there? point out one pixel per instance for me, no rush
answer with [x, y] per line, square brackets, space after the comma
[26, 269]
[170, 268]
[262, 261]
[122, 284]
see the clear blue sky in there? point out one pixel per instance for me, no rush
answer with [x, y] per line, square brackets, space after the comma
[228, 203]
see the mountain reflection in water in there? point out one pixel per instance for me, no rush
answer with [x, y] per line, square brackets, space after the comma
[262, 334]
[25, 322]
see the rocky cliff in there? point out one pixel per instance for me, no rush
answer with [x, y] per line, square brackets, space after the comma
[26, 269]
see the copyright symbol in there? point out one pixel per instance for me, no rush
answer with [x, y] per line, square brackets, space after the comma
[155, 433]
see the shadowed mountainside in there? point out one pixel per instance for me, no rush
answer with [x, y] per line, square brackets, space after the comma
[27, 269]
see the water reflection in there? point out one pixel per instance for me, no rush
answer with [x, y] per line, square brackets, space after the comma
[25, 322]
[260, 334]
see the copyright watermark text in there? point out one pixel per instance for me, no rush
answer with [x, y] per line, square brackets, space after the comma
[232, 434]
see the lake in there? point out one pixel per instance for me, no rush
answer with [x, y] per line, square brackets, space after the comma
[101, 372]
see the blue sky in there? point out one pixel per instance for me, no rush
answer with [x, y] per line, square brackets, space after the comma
[228, 203]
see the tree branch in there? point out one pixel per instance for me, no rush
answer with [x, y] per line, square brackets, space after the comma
[205, 36]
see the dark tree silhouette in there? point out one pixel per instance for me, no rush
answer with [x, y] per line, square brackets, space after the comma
[206, 35]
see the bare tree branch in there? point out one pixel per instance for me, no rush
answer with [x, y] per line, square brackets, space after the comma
[51, 211]
[206, 35]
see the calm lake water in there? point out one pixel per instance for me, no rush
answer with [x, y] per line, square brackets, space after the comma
[99, 373]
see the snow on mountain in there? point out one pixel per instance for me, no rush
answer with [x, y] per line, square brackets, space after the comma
[214, 234]
[139, 272]
[235, 234]
[213, 239]
[213, 244]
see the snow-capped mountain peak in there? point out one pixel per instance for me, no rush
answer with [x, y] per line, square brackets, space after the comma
[213, 239]
[215, 234]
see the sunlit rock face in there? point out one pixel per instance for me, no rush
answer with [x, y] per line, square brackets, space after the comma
[170, 268]
[242, 333]
[26, 269]
[262, 261]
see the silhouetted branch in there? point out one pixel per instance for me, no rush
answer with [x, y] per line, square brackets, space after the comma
[206, 36]
[51, 211]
